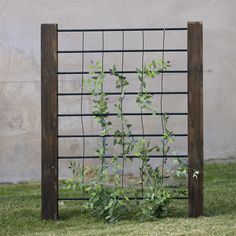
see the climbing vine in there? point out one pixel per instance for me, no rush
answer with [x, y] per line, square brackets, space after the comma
[112, 203]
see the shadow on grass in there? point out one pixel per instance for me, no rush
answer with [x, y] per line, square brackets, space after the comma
[216, 203]
[73, 210]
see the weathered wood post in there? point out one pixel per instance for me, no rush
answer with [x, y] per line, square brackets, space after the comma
[49, 151]
[195, 118]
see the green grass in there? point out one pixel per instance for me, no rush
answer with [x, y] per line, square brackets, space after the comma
[20, 212]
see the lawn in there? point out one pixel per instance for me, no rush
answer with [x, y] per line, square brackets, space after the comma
[20, 212]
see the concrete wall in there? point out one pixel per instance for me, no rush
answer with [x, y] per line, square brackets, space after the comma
[20, 68]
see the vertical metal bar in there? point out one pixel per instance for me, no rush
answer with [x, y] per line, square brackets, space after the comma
[49, 68]
[102, 86]
[122, 125]
[163, 143]
[195, 118]
[81, 111]
[141, 110]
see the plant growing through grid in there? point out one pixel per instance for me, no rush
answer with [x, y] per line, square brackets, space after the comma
[111, 203]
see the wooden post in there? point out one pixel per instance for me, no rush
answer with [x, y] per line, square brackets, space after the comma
[49, 152]
[195, 118]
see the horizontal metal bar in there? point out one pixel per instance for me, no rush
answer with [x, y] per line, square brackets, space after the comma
[117, 93]
[125, 50]
[113, 135]
[124, 29]
[126, 114]
[87, 198]
[128, 156]
[124, 72]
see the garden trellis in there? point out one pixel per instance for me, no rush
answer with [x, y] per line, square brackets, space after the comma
[50, 114]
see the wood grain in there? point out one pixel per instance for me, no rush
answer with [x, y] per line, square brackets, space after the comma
[195, 118]
[49, 67]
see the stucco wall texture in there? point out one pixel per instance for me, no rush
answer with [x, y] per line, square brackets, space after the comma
[20, 128]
